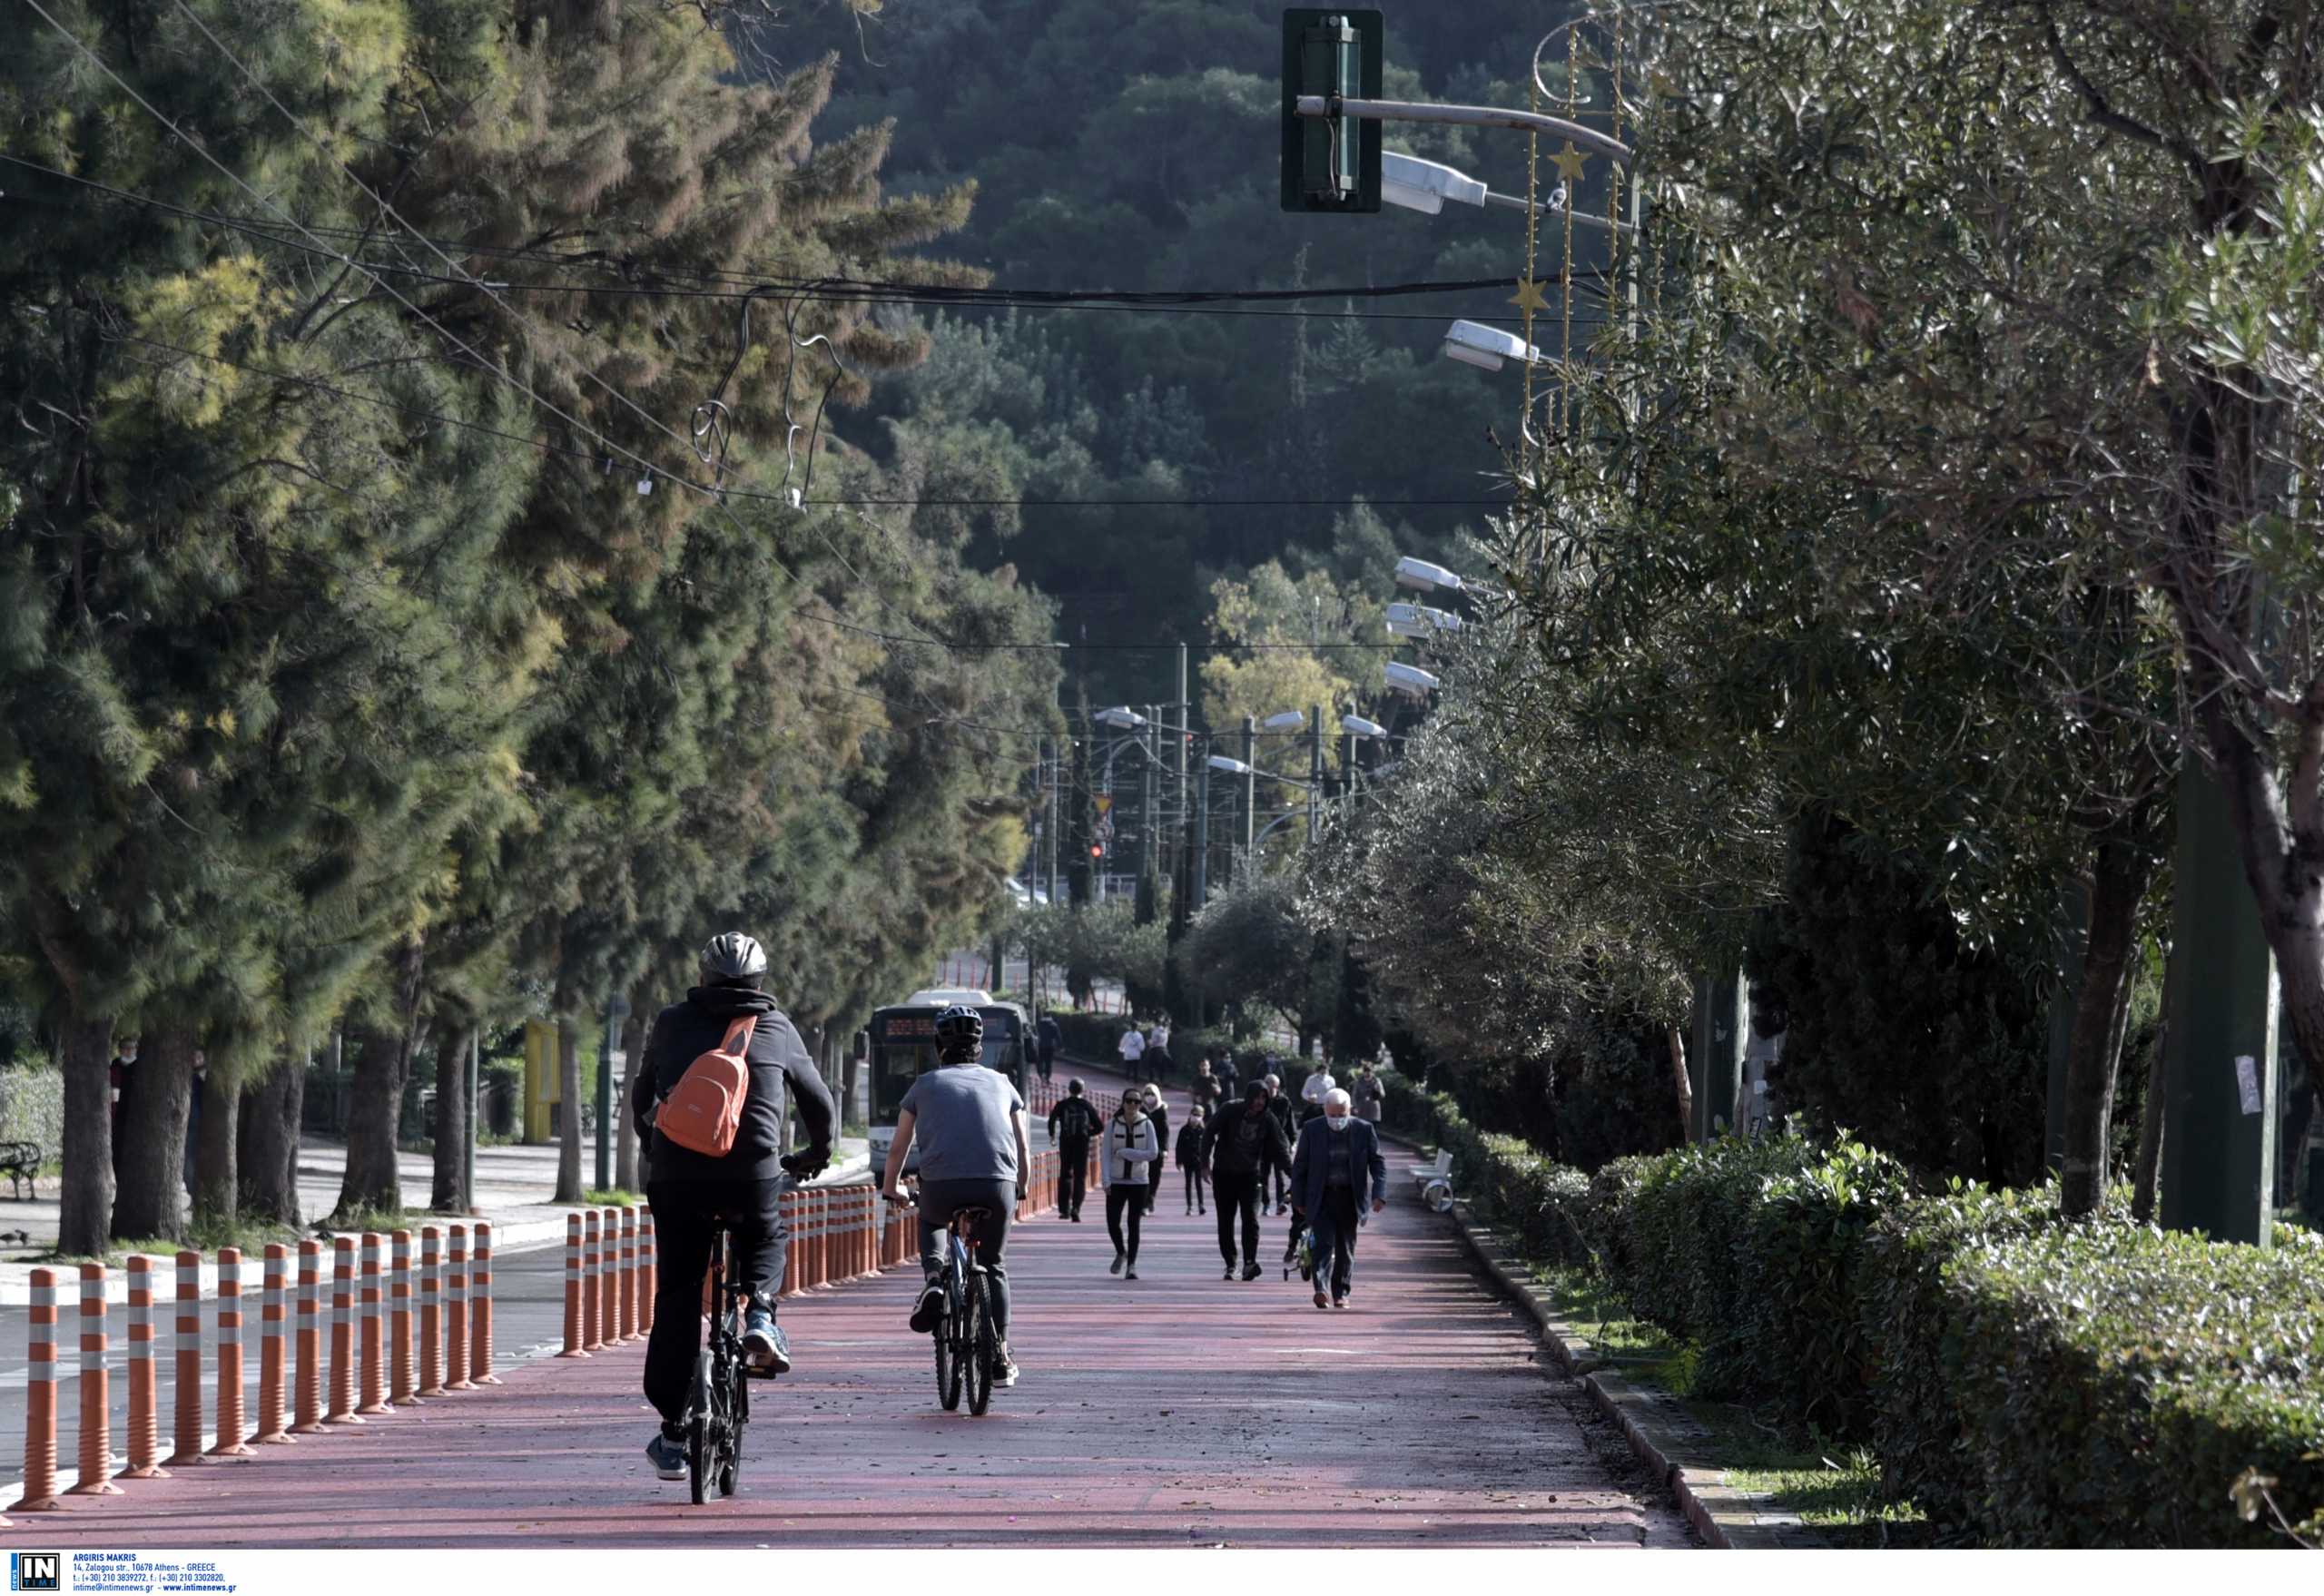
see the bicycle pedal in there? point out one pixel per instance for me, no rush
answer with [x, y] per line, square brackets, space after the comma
[754, 1372]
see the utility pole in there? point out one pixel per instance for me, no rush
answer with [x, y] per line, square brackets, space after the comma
[1202, 836]
[1056, 780]
[606, 1100]
[1314, 772]
[1250, 785]
[476, 1101]
[1147, 819]
[1178, 740]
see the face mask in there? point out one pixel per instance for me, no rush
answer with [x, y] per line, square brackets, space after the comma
[1339, 1123]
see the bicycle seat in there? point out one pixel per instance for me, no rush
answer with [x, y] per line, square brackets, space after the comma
[976, 1215]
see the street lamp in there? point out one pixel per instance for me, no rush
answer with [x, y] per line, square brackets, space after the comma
[1233, 767]
[1290, 720]
[1129, 719]
[1409, 680]
[1424, 186]
[1426, 576]
[1355, 725]
[1417, 620]
[1472, 343]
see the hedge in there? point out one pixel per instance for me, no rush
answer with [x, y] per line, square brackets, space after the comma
[2029, 1381]
[32, 1108]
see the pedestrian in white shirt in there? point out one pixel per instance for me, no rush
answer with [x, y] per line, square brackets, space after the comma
[1132, 1048]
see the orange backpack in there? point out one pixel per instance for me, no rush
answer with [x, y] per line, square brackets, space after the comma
[704, 1110]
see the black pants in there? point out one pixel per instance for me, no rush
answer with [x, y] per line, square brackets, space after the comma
[1335, 1239]
[1125, 1204]
[687, 1217]
[1072, 1174]
[1196, 1186]
[938, 1201]
[1048, 1063]
[1238, 1195]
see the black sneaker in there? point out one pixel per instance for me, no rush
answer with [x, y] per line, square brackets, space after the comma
[1251, 1271]
[764, 1342]
[1230, 1273]
[1117, 1267]
[930, 1310]
[667, 1455]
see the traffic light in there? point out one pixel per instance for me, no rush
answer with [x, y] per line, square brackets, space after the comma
[1096, 850]
[1331, 162]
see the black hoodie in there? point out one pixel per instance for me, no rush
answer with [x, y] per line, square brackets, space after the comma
[682, 1033]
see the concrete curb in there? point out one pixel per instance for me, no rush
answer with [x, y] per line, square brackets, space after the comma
[1661, 1436]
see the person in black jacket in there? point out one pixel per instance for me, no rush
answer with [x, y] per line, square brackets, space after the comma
[1189, 1159]
[1071, 1125]
[1241, 1146]
[1157, 1114]
[691, 1194]
[1279, 1105]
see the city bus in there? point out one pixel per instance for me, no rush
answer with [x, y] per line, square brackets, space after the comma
[902, 1043]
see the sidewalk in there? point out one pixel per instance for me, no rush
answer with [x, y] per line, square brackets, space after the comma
[513, 1186]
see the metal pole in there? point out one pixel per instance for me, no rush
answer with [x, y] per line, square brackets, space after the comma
[476, 1101]
[606, 1101]
[1314, 770]
[1179, 741]
[1056, 781]
[1202, 834]
[1147, 822]
[1250, 784]
[1585, 138]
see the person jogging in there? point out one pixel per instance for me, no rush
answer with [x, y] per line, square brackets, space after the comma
[1242, 1144]
[1072, 1123]
[1131, 1152]
[970, 1124]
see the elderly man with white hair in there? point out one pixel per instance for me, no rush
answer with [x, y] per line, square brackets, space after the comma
[1336, 1164]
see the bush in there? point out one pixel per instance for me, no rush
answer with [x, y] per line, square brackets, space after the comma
[32, 1108]
[2121, 1379]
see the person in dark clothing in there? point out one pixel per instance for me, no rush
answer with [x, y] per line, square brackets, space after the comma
[1241, 1146]
[119, 1082]
[1337, 1163]
[1157, 1115]
[1071, 1125]
[1189, 1159]
[691, 1194]
[1279, 1106]
[1047, 1039]
[1222, 1071]
[1204, 1090]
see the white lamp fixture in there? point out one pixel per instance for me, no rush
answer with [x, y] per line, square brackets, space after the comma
[1355, 725]
[1425, 576]
[1425, 185]
[1126, 718]
[1475, 344]
[1290, 720]
[1417, 620]
[1233, 767]
[1409, 680]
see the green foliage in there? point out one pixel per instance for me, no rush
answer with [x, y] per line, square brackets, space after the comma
[32, 1108]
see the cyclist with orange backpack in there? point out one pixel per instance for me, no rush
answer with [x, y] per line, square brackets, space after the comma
[708, 1101]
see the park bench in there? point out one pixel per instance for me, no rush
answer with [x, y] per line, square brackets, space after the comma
[1434, 1181]
[19, 1162]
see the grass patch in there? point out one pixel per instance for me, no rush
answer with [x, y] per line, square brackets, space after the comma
[611, 1197]
[1835, 1491]
[381, 1220]
[207, 1236]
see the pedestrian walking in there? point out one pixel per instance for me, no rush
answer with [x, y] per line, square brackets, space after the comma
[1337, 1161]
[1158, 1063]
[1072, 1123]
[1157, 1114]
[1204, 1090]
[1241, 1146]
[122, 1065]
[1132, 1049]
[1130, 1153]
[1370, 1096]
[1222, 1071]
[1312, 1092]
[1048, 1040]
[1279, 1106]
[1189, 1160]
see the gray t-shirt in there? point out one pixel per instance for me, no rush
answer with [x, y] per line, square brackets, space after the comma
[961, 1123]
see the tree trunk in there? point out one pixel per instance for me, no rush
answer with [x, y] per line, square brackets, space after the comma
[570, 1188]
[269, 1138]
[633, 1048]
[1683, 1088]
[151, 1200]
[373, 1182]
[85, 1207]
[217, 1183]
[449, 1132]
[2120, 869]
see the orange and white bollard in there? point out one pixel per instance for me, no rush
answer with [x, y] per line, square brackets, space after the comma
[609, 1278]
[310, 1347]
[271, 1405]
[96, 1397]
[371, 1342]
[342, 1332]
[646, 1281]
[402, 1391]
[189, 1362]
[455, 1318]
[591, 1339]
[629, 1272]
[229, 1442]
[40, 1399]
[431, 1311]
[480, 1309]
[575, 1290]
[794, 1259]
[144, 1389]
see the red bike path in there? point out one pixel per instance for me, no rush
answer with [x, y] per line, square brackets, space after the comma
[1178, 1409]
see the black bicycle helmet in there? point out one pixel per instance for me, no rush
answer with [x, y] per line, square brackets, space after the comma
[960, 1034]
[732, 960]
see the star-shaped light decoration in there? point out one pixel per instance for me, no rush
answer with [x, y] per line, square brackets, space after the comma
[1569, 162]
[1528, 297]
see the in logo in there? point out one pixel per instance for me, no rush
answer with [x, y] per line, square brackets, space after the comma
[35, 1571]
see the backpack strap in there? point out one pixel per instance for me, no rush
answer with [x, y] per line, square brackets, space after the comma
[738, 1034]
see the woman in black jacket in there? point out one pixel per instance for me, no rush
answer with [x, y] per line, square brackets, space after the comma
[1189, 1156]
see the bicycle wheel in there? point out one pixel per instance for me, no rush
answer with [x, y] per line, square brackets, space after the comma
[982, 1344]
[738, 1400]
[952, 1353]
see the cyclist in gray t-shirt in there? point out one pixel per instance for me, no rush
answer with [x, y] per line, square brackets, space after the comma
[970, 1124]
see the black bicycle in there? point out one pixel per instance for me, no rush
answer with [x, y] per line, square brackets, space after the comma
[968, 1343]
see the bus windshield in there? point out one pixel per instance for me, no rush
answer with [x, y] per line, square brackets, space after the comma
[903, 1045]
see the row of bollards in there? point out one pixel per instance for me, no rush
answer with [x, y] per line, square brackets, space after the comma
[372, 1367]
[609, 1273]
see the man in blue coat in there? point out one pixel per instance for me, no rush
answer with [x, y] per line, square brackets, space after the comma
[1336, 1163]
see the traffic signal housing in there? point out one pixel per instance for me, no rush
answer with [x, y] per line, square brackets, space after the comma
[1331, 162]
